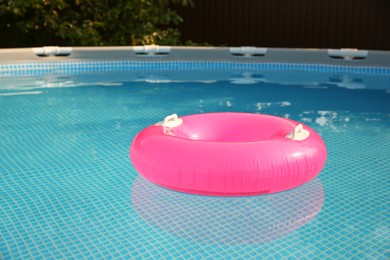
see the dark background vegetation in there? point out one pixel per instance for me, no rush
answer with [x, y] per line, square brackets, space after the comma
[363, 24]
[89, 22]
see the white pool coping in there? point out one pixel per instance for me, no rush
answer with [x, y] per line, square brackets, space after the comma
[366, 58]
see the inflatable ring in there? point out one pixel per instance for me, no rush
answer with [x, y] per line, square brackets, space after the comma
[228, 154]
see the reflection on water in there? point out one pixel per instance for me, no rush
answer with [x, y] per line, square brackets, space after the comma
[329, 119]
[241, 220]
[294, 94]
[347, 81]
[312, 79]
[353, 79]
[247, 78]
[265, 105]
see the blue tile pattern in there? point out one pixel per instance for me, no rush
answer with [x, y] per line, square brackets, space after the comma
[69, 191]
[80, 66]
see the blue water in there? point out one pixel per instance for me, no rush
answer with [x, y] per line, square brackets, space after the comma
[69, 190]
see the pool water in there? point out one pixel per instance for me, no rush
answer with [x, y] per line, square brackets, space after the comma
[69, 190]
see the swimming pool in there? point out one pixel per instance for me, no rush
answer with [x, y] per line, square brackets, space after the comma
[68, 189]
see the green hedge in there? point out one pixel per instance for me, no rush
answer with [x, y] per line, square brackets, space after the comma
[90, 22]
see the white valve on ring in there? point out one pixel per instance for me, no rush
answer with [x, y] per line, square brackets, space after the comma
[298, 133]
[170, 121]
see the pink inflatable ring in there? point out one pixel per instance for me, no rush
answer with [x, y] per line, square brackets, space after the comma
[228, 154]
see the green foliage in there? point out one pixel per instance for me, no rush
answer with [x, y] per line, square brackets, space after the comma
[91, 22]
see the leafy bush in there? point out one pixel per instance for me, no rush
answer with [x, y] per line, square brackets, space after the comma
[90, 22]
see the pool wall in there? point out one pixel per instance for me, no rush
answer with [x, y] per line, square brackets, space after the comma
[339, 57]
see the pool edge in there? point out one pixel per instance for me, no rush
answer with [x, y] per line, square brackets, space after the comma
[369, 58]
